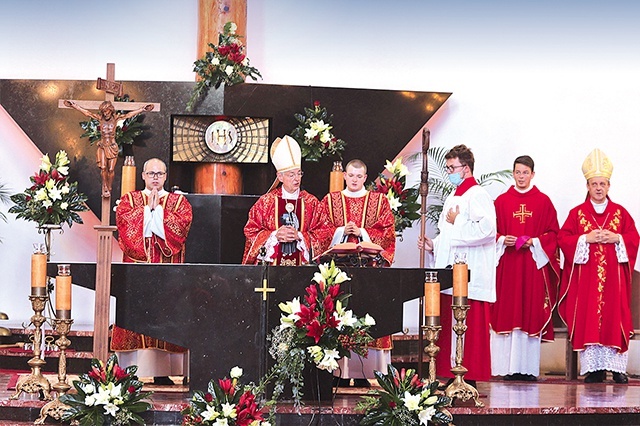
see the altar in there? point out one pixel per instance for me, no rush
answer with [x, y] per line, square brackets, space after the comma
[218, 311]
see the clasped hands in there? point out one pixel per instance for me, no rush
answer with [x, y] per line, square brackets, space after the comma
[511, 240]
[603, 236]
[286, 234]
[154, 199]
[352, 229]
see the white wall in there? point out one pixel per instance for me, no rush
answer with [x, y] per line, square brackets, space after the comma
[552, 79]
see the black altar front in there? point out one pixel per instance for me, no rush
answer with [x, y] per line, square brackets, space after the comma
[216, 312]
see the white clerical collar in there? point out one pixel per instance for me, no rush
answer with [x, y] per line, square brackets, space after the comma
[599, 208]
[161, 193]
[523, 191]
[290, 195]
[355, 194]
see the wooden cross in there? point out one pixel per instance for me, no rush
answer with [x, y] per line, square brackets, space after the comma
[522, 213]
[111, 89]
[105, 231]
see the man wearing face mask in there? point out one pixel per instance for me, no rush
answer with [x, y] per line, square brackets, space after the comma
[467, 225]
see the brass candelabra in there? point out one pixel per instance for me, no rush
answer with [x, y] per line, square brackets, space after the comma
[459, 388]
[431, 331]
[55, 409]
[35, 382]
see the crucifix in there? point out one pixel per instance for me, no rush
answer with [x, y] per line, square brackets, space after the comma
[107, 153]
[106, 156]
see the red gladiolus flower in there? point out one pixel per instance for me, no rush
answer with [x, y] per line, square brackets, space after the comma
[208, 397]
[315, 330]
[227, 386]
[224, 50]
[131, 389]
[235, 48]
[316, 104]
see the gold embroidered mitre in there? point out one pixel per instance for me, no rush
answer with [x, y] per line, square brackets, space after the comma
[597, 164]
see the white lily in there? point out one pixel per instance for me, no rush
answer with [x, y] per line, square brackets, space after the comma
[55, 194]
[394, 202]
[64, 206]
[45, 163]
[341, 277]
[65, 189]
[412, 402]
[41, 194]
[228, 70]
[110, 409]
[425, 415]
[229, 410]
[329, 362]
[310, 133]
[61, 158]
[210, 413]
[221, 422]
[50, 184]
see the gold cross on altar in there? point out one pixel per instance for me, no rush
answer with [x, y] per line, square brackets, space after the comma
[522, 214]
[264, 289]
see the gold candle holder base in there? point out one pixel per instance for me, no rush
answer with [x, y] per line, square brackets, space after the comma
[55, 409]
[35, 382]
[460, 389]
[431, 331]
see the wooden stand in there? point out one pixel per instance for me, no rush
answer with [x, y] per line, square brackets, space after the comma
[217, 178]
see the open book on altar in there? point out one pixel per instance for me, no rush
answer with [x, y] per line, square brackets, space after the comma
[344, 249]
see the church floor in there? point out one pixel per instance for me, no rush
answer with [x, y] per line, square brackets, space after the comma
[550, 401]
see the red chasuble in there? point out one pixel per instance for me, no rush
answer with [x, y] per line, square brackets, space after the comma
[136, 248]
[595, 297]
[266, 216]
[371, 212]
[526, 295]
[129, 220]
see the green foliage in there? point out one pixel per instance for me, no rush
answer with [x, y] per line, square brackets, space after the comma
[226, 63]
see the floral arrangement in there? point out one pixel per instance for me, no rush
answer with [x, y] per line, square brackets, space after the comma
[126, 130]
[226, 402]
[403, 200]
[318, 330]
[314, 134]
[226, 63]
[106, 393]
[51, 199]
[405, 400]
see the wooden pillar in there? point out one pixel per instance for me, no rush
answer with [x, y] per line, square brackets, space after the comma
[218, 178]
[103, 292]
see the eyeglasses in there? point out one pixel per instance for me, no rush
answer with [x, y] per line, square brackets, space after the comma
[451, 169]
[291, 175]
[155, 174]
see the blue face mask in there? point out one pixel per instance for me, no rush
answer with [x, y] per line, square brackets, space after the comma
[455, 178]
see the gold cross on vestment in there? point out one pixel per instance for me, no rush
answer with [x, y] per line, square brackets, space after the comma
[522, 214]
[264, 289]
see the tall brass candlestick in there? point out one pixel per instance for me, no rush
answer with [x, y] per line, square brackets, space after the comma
[35, 382]
[431, 327]
[55, 409]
